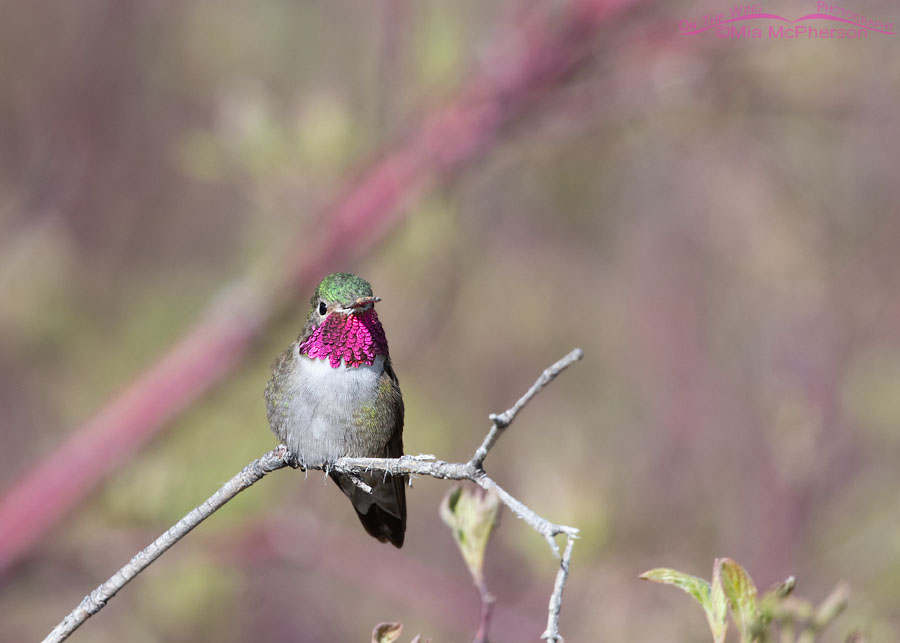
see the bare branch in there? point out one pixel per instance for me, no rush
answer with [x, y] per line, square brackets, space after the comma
[417, 466]
[425, 465]
[360, 483]
[96, 600]
[500, 422]
[551, 634]
[544, 527]
[474, 471]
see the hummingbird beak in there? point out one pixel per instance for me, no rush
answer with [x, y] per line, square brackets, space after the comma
[363, 302]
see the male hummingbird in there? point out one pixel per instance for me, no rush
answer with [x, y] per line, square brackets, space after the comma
[333, 393]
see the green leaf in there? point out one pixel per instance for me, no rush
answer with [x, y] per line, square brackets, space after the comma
[472, 518]
[781, 589]
[718, 605]
[711, 598]
[770, 603]
[693, 585]
[386, 632]
[741, 593]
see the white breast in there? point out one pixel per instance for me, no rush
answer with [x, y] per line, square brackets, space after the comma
[343, 381]
[325, 398]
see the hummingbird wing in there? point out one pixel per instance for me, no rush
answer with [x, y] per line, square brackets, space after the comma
[383, 512]
[276, 410]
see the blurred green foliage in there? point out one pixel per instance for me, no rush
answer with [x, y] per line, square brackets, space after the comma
[776, 615]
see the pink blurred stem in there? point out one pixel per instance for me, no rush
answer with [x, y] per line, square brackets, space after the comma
[527, 67]
[487, 613]
[207, 352]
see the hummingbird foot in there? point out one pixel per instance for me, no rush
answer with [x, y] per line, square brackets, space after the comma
[328, 465]
[289, 458]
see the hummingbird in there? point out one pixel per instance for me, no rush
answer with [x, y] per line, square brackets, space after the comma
[333, 393]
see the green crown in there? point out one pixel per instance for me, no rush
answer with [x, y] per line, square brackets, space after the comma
[343, 287]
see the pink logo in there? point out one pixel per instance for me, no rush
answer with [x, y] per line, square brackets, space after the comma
[733, 24]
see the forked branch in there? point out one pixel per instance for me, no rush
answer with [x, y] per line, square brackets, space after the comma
[425, 465]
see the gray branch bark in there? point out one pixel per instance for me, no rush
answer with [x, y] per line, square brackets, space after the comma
[423, 465]
[96, 600]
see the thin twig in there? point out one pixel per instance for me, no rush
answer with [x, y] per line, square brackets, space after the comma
[417, 466]
[425, 465]
[96, 600]
[359, 483]
[551, 634]
[500, 422]
[543, 526]
[474, 471]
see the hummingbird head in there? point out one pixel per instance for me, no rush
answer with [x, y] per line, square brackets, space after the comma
[342, 324]
[343, 293]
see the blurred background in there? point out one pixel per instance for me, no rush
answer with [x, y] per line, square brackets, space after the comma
[714, 221]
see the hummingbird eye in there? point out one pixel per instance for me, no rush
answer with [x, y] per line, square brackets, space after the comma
[322, 308]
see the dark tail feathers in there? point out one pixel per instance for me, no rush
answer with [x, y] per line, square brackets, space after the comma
[383, 512]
